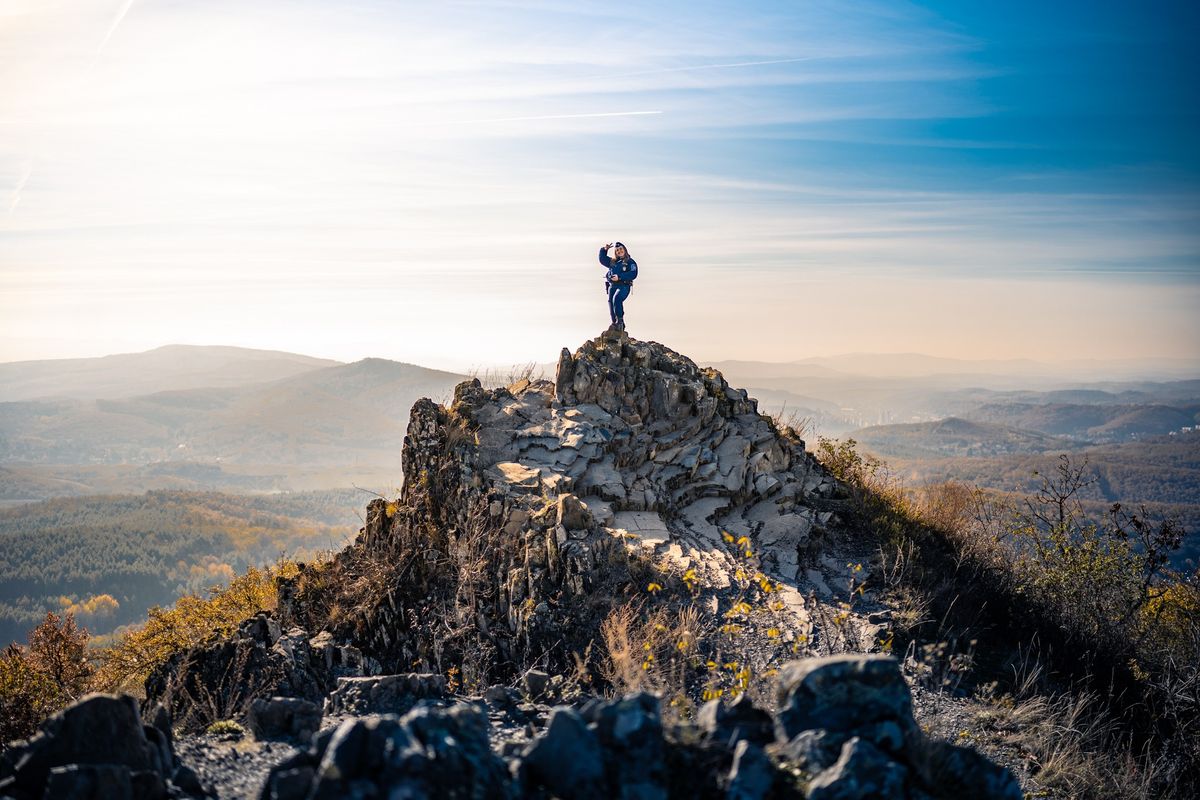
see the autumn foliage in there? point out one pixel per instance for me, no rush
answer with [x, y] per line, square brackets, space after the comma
[43, 676]
[192, 620]
[56, 666]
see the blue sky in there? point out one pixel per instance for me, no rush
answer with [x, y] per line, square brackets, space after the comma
[429, 182]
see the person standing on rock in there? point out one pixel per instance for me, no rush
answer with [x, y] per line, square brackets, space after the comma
[622, 270]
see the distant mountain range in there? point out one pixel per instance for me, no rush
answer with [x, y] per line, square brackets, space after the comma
[262, 413]
[170, 368]
[915, 365]
[238, 419]
[837, 402]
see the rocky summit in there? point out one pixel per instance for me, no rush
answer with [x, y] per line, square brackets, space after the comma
[480, 638]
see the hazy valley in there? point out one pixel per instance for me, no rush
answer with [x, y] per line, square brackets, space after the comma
[174, 468]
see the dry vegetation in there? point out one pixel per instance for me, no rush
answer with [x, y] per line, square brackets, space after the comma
[1102, 636]
[1079, 643]
[661, 640]
[56, 666]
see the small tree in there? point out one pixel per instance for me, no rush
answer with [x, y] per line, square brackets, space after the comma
[58, 650]
[43, 677]
[26, 695]
[1099, 578]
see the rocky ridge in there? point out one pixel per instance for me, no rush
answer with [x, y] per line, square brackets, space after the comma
[567, 491]
[528, 514]
[632, 445]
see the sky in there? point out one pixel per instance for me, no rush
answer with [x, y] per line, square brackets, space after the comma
[430, 182]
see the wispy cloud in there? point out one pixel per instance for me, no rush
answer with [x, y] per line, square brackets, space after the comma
[566, 116]
[702, 67]
[227, 149]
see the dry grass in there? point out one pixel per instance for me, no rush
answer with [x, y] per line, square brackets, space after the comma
[1122, 632]
[653, 650]
[1071, 743]
[508, 377]
[792, 424]
[670, 641]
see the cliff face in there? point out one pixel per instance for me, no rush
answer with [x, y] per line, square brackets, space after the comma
[632, 454]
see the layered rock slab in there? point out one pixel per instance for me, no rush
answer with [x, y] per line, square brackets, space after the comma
[666, 456]
[549, 487]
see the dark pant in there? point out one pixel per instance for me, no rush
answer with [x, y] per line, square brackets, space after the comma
[617, 292]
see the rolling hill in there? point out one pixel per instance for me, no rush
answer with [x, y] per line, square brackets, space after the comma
[172, 367]
[1094, 421]
[341, 414]
[953, 437]
[1163, 473]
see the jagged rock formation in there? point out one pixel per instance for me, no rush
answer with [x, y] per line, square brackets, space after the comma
[528, 514]
[98, 749]
[632, 447]
[260, 659]
[844, 731]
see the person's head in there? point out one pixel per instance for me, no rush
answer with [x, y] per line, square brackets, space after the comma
[619, 251]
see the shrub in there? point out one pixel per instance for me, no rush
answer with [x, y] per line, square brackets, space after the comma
[661, 641]
[26, 696]
[51, 671]
[1096, 597]
[192, 620]
[226, 727]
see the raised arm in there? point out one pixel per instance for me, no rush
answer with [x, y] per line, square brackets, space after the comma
[604, 259]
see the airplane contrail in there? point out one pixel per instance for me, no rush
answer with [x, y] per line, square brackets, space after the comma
[116, 22]
[565, 116]
[112, 28]
[16, 192]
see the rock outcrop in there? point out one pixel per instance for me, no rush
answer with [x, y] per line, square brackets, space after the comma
[844, 731]
[528, 514]
[98, 749]
[633, 450]
[848, 721]
[259, 660]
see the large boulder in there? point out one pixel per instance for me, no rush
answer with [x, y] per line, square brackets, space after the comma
[843, 695]
[728, 723]
[566, 760]
[97, 749]
[862, 772]
[631, 734]
[283, 718]
[848, 720]
[429, 752]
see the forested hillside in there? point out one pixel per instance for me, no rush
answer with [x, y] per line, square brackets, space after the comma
[110, 558]
[1162, 472]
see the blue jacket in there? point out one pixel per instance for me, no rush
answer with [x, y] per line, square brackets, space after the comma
[625, 269]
